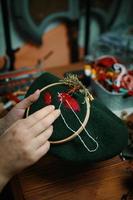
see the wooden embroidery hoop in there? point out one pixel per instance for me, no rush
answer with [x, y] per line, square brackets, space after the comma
[69, 138]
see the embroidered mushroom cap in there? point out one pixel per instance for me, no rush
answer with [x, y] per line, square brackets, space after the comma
[86, 131]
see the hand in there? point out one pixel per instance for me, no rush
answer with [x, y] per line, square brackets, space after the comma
[25, 142]
[18, 111]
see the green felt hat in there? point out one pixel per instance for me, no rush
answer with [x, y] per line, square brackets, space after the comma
[86, 130]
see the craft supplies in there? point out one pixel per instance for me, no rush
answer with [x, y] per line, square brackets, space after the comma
[112, 75]
[13, 85]
[112, 79]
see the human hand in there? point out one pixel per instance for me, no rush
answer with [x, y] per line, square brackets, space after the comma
[17, 111]
[25, 142]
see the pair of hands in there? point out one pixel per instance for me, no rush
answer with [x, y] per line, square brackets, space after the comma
[24, 141]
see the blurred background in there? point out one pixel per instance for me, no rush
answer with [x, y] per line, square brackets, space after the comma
[68, 29]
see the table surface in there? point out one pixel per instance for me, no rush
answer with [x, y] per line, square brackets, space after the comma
[52, 178]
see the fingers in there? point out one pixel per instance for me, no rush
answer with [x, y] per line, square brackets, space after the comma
[45, 122]
[37, 116]
[42, 150]
[43, 137]
[29, 100]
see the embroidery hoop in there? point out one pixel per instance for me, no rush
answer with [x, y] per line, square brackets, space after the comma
[69, 138]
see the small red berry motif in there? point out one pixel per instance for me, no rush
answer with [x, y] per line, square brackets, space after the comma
[47, 98]
[69, 102]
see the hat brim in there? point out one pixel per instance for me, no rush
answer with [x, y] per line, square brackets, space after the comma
[109, 131]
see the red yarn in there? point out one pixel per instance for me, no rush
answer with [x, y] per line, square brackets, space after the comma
[47, 98]
[64, 97]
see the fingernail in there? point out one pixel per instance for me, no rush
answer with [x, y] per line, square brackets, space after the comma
[51, 127]
[37, 92]
[52, 107]
[58, 111]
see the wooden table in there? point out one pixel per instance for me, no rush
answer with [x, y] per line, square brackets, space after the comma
[54, 179]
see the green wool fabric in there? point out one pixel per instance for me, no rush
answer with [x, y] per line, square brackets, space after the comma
[105, 127]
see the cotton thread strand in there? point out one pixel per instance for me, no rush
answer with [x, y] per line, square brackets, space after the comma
[83, 126]
[89, 150]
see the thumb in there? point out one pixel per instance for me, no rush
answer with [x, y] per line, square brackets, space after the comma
[28, 101]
